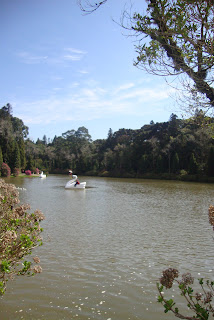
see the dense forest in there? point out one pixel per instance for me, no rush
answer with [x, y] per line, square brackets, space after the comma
[177, 148]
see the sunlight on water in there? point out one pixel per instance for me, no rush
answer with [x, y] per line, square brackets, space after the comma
[106, 246]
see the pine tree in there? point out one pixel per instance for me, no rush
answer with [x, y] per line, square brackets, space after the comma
[193, 165]
[1, 157]
[210, 163]
[159, 165]
[17, 160]
[175, 163]
[30, 163]
[21, 145]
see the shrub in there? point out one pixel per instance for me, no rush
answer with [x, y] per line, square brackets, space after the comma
[199, 302]
[183, 172]
[19, 234]
[28, 172]
[5, 170]
[16, 172]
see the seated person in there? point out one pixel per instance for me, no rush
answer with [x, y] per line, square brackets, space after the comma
[77, 182]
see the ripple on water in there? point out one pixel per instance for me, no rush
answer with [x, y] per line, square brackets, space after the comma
[105, 248]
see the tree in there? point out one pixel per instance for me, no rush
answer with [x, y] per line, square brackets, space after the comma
[110, 134]
[159, 164]
[175, 163]
[44, 140]
[16, 157]
[7, 110]
[83, 134]
[19, 129]
[30, 163]
[210, 163]
[90, 7]
[21, 145]
[20, 233]
[12, 134]
[1, 157]
[181, 40]
[193, 166]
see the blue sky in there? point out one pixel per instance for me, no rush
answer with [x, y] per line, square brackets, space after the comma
[61, 69]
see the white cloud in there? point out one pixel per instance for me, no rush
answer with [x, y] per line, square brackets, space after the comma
[146, 94]
[124, 87]
[56, 78]
[66, 54]
[72, 57]
[73, 50]
[28, 58]
[83, 72]
[86, 103]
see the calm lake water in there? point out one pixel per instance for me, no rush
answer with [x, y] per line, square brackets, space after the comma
[106, 246]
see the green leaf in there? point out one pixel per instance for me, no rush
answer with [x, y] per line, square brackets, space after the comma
[160, 299]
[5, 266]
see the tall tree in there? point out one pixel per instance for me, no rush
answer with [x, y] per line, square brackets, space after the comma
[17, 159]
[1, 157]
[210, 163]
[175, 163]
[193, 165]
[21, 145]
[44, 140]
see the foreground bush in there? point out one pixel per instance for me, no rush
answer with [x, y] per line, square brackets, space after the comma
[200, 303]
[19, 234]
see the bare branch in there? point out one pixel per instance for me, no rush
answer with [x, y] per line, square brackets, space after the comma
[88, 6]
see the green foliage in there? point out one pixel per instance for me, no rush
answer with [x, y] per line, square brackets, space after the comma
[156, 150]
[160, 164]
[30, 163]
[16, 172]
[210, 163]
[193, 166]
[180, 41]
[1, 157]
[13, 131]
[175, 163]
[19, 233]
[199, 303]
[5, 170]
[16, 157]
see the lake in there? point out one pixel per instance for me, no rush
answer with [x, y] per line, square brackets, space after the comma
[106, 246]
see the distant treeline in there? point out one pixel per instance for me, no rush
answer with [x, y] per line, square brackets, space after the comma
[177, 148]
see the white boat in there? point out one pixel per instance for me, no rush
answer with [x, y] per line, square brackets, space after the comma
[42, 175]
[71, 184]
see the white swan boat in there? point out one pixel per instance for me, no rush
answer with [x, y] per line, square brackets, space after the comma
[42, 175]
[72, 184]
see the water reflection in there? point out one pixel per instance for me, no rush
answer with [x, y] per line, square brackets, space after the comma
[106, 246]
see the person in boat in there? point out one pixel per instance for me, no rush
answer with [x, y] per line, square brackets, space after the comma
[74, 177]
[77, 182]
